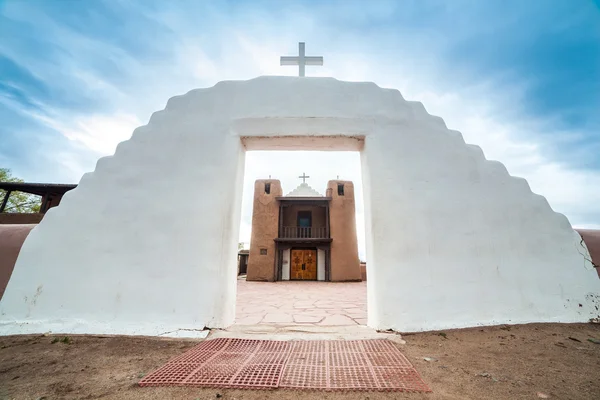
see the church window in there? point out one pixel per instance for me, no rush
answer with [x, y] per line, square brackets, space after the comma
[268, 188]
[304, 219]
[340, 189]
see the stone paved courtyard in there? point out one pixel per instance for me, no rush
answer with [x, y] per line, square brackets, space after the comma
[301, 303]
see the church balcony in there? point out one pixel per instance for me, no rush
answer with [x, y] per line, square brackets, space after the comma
[297, 232]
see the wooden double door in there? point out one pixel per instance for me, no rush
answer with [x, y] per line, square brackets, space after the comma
[304, 264]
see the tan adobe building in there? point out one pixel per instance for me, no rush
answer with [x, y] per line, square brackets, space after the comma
[303, 235]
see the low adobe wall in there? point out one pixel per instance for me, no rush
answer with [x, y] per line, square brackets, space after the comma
[591, 237]
[11, 240]
[21, 218]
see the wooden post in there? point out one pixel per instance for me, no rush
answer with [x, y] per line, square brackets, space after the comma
[327, 221]
[5, 200]
[45, 201]
[328, 264]
[278, 257]
[280, 229]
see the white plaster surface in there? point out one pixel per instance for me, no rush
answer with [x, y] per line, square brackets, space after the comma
[320, 265]
[452, 239]
[304, 190]
[285, 265]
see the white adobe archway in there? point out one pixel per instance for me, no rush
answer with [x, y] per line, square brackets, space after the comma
[146, 243]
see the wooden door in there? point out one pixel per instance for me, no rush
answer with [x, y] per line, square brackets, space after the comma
[304, 265]
[310, 265]
[243, 264]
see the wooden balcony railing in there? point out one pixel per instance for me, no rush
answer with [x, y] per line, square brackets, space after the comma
[296, 232]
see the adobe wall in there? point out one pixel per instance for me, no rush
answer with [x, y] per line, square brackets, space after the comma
[345, 265]
[591, 238]
[11, 239]
[20, 218]
[468, 244]
[265, 227]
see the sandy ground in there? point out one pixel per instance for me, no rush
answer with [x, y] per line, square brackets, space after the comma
[513, 362]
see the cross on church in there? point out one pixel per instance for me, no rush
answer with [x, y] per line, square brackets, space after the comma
[304, 176]
[301, 60]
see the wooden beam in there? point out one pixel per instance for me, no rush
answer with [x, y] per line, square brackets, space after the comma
[302, 240]
[299, 199]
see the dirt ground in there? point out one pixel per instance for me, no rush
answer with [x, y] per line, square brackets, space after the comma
[509, 362]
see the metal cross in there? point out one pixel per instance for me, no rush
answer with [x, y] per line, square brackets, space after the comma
[304, 176]
[301, 60]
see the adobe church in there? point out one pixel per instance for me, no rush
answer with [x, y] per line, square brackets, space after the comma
[303, 235]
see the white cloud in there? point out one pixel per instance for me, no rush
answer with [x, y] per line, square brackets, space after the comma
[101, 133]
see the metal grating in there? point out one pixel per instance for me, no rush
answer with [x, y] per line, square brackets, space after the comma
[270, 358]
[262, 364]
[212, 375]
[305, 377]
[346, 359]
[357, 378]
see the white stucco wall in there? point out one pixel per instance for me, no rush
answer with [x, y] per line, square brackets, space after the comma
[285, 265]
[320, 265]
[452, 239]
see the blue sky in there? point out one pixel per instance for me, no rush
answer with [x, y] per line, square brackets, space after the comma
[519, 78]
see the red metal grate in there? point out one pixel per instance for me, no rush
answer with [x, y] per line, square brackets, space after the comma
[230, 358]
[378, 346]
[260, 364]
[212, 345]
[309, 346]
[243, 345]
[212, 375]
[357, 378]
[400, 379]
[316, 359]
[270, 358]
[274, 346]
[346, 359]
[170, 374]
[264, 374]
[304, 377]
[350, 346]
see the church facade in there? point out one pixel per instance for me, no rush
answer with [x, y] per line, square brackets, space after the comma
[303, 235]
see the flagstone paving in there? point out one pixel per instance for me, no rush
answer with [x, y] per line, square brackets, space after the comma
[301, 303]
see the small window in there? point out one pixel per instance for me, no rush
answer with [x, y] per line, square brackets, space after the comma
[340, 189]
[304, 219]
[268, 188]
[263, 252]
